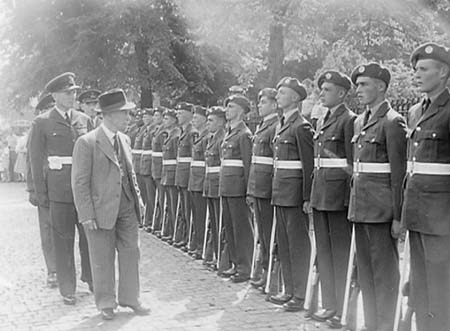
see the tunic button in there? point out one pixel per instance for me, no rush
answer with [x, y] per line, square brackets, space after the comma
[321, 132]
[320, 144]
[359, 146]
[414, 158]
[363, 133]
[419, 128]
[433, 135]
[416, 144]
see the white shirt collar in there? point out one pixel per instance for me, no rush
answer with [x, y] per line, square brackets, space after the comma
[290, 113]
[108, 133]
[270, 116]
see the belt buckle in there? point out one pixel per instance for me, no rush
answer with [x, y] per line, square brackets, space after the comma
[411, 170]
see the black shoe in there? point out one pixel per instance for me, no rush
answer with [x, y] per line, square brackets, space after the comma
[91, 287]
[197, 256]
[138, 309]
[149, 229]
[107, 314]
[179, 244]
[157, 233]
[280, 299]
[323, 315]
[69, 300]
[184, 249]
[293, 305]
[334, 322]
[52, 281]
[166, 238]
[258, 283]
[239, 278]
[228, 273]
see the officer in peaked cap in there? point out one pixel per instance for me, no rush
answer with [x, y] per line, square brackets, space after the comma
[88, 101]
[379, 168]
[426, 199]
[259, 189]
[291, 190]
[333, 159]
[45, 103]
[53, 136]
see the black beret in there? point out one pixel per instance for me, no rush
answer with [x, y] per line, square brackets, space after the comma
[89, 96]
[268, 92]
[431, 51]
[240, 100]
[114, 100]
[216, 110]
[372, 70]
[185, 106]
[170, 112]
[200, 110]
[45, 101]
[159, 109]
[63, 82]
[335, 77]
[294, 84]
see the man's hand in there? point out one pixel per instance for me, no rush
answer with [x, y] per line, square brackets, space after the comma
[307, 207]
[32, 197]
[397, 232]
[43, 200]
[90, 225]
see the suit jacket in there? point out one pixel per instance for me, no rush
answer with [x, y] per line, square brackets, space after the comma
[96, 178]
[169, 150]
[136, 157]
[197, 174]
[333, 139]
[293, 141]
[185, 143]
[426, 207]
[376, 197]
[260, 176]
[236, 145]
[51, 135]
[212, 159]
[146, 159]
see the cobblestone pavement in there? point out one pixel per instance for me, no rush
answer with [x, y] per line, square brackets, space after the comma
[180, 292]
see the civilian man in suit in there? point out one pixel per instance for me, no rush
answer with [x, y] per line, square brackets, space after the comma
[236, 152]
[291, 191]
[259, 189]
[426, 206]
[108, 204]
[333, 167]
[379, 169]
[53, 135]
[196, 182]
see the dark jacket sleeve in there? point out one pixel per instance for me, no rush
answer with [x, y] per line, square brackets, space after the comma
[245, 145]
[304, 137]
[38, 156]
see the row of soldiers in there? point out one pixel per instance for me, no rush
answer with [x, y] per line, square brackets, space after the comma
[364, 178]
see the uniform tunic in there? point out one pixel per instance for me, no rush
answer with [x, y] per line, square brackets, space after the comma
[159, 136]
[146, 173]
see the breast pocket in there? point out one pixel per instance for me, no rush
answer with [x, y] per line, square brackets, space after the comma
[429, 141]
[374, 147]
[286, 147]
[333, 143]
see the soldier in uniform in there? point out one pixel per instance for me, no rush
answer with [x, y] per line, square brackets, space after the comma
[236, 152]
[259, 190]
[158, 138]
[134, 126]
[379, 168]
[426, 206]
[137, 150]
[184, 158]
[333, 167]
[196, 181]
[53, 136]
[216, 128]
[88, 101]
[169, 166]
[291, 191]
[45, 103]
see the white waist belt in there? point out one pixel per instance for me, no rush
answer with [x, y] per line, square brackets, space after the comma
[184, 159]
[262, 160]
[232, 163]
[286, 164]
[137, 151]
[57, 162]
[157, 154]
[169, 162]
[197, 163]
[330, 163]
[376, 168]
[212, 170]
[147, 152]
[425, 168]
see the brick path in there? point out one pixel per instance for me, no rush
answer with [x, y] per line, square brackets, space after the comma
[180, 292]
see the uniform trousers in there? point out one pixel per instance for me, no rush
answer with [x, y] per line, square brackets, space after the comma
[214, 215]
[333, 236]
[171, 195]
[430, 280]
[378, 274]
[239, 233]
[150, 192]
[159, 205]
[64, 220]
[294, 249]
[45, 230]
[103, 244]
[198, 221]
[264, 218]
[184, 215]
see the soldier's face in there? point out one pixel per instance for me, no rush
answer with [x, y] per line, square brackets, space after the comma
[267, 106]
[331, 95]
[169, 121]
[157, 118]
[147, 119]
[286, 97]
[233, 111]
[367, 90]
[184, 116]
[428, 75]
[89, 108]
[198, 121]
[65, 100]
[214, 123]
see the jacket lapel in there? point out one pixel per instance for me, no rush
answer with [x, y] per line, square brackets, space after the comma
[435, 106]
[58, 118]
[333, 117]
[382, 110]
[266, 124]
[105, 145]
[287, 122]
[125, 150]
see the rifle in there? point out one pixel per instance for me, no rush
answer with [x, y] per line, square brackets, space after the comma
[176, 218]
[403, 280]
[205, 237]
[154, 210]
[255, 245]
[313, 275]
[219, 232]
[271, 250]
[351, 260]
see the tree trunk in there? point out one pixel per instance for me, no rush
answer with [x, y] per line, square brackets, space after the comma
[141, 48]
[276, 53]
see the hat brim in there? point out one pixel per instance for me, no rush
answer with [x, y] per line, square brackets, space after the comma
[71, 88]
[116, 108]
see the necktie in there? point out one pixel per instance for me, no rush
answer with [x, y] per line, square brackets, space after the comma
[116, 145]
[327, 116]
[366, 118]
[425, 105]
[67, 117]
[282, 121]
